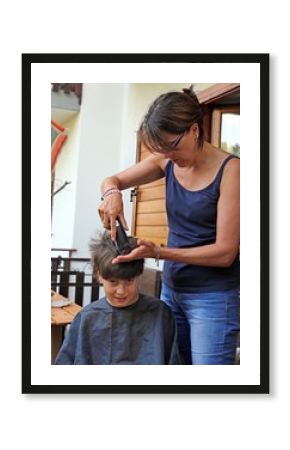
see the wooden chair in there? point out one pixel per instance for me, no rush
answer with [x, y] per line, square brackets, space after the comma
[150, 282]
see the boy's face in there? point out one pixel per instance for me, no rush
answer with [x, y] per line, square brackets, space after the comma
[121, 293]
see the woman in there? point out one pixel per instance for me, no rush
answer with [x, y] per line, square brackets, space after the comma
[201, 269]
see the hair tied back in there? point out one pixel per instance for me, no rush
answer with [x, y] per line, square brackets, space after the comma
[189, 91]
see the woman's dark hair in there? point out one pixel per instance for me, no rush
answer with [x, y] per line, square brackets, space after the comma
[173, 112]
[103, 251]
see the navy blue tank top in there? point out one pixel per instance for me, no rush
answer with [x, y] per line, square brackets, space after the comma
[192, 219]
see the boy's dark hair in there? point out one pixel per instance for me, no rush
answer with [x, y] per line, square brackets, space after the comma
[174, 112]
[103, 251]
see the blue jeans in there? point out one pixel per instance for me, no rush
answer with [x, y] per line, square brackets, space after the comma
[207, 324]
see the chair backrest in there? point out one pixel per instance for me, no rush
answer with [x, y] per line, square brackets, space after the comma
[150, 282]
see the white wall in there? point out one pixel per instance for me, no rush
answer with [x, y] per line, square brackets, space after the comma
[204, 421]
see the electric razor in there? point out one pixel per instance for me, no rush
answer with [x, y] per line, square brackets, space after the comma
[122, 243]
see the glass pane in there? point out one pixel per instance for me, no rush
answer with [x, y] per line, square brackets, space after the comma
[230, 133]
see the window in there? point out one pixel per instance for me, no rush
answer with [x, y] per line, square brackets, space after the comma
[225, 130]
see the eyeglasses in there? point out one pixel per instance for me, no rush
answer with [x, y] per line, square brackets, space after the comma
[176, 141]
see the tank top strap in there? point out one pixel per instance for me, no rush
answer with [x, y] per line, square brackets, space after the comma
[219, 175]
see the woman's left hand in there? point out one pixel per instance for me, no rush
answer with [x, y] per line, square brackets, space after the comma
[145, 249]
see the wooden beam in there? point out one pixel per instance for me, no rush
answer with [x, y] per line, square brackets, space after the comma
[217, 91]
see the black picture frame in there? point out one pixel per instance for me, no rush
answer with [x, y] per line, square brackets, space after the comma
[263, 61]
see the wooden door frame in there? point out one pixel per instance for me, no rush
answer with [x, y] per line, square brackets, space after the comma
[216, 121]
[217, 92]
[210, 98]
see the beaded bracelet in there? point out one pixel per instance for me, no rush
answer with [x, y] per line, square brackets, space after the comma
[158, 251]
[110, 191]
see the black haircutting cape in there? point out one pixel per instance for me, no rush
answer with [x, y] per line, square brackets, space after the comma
[142, 333]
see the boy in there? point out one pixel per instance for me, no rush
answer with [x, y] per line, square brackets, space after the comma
[124, 327]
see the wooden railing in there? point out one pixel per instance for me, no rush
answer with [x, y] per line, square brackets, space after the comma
[69, 251]
[71, 282]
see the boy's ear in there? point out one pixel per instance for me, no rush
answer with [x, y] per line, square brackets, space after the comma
[138, 280]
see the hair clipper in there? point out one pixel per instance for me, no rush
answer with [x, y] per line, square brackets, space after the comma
[122, 242]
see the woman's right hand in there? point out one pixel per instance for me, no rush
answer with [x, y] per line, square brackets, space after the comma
[146, 171]
[109, 210]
